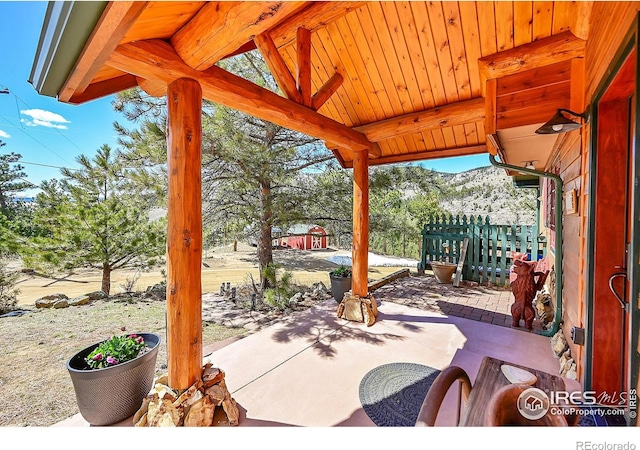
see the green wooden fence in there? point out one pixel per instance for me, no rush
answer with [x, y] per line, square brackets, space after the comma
[489, 250]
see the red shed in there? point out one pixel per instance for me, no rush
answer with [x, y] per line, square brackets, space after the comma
[305, 237]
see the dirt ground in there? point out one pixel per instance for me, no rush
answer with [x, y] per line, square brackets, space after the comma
[35, 346]
[219, 266]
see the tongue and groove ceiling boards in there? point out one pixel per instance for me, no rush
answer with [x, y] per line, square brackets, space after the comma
[405, 80]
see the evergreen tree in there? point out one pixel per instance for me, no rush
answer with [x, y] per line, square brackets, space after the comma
[12, 179]
[8, 291]
[250, 166]
[16, 216]
[94, 218]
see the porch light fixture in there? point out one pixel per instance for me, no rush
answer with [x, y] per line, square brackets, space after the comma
[559, 123]
[529, 165]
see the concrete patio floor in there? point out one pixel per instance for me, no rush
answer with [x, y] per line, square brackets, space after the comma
[305, 370]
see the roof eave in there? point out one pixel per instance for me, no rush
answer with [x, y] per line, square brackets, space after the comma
[67, 27]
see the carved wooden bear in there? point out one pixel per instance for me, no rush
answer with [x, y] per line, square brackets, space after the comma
[524, 289]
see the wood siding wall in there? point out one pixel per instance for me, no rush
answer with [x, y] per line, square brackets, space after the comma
[569, 159]
[610, 22]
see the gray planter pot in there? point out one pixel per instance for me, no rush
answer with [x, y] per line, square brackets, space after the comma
[339, 285]
[112, 394]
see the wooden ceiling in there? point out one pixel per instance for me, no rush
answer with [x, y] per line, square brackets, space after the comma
[408, 80]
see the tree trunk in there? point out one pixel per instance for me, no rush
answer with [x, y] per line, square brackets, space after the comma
[106, 278]
[404, 244]
[265, 252]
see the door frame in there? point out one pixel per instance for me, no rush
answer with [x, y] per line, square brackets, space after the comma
[630, 43]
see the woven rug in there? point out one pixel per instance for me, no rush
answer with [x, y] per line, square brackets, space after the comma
[392, 394]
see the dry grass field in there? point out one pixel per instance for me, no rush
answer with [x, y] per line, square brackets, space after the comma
[34, 347]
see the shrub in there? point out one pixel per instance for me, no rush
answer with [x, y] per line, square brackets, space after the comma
[281, 289]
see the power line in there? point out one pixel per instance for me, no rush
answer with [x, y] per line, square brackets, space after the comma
[28, 135]
[44, 165]
[8, 91]
[30, 183]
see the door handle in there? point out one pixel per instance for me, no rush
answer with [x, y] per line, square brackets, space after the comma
[613, 289]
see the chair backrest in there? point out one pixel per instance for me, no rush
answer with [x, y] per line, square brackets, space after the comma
[502, 410]
[441, 385]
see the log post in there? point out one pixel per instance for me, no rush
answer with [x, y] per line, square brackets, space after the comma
[184, 233]
[360, 252]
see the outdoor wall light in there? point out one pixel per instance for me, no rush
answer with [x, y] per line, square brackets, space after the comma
[559, 123]
[529, 165]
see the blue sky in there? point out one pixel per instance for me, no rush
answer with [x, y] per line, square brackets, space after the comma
[42, 129]
[50, 133]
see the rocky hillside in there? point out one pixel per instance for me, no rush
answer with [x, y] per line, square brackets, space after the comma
[489, 191]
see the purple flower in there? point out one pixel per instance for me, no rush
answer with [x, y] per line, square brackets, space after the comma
[139, 339]
[97, 357]
[132, 336]
[111, 360]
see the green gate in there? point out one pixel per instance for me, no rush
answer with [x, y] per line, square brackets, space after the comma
[489, 250]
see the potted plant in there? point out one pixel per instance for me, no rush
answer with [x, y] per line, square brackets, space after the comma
[443, 270]
[340, 282]
[111, 378]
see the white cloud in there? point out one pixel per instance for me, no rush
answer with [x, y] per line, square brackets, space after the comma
[40, 117]
[4, 134]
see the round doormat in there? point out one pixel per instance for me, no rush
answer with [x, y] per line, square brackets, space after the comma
[392, 394]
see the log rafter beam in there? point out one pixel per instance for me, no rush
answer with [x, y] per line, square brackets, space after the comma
[277, 66]
[220, 28]
[116, 20]
[422, 156]
[460, 113]
[326, 91]
[152, 88]
[556, 48]
[294, 90]
[303, 56]
[104, 88]
[313, 17]
[157, 61]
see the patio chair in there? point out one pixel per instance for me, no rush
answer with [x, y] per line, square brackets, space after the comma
[441, 385]
[502, 410]
[501, 407]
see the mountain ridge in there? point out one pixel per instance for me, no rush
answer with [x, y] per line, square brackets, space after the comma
[488, 191]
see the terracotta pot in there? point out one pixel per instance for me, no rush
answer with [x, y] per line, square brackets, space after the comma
[443, 271]
[112, 394]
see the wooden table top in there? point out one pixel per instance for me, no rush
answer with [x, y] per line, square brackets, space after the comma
[490, 378]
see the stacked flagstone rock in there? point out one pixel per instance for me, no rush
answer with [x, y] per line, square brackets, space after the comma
[195, 407]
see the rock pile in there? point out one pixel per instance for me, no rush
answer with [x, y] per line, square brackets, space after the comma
[156, 292]
[195, 407]
[568, 367]
[544, 308]
[62, 301]
[316, 293]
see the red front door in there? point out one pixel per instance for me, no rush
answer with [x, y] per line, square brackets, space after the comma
[612, 237]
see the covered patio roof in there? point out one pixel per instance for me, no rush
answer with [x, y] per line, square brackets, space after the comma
[407, 81]
[378, 82]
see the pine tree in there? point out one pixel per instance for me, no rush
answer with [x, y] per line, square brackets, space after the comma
[249, 165]
[94, 218]
[12, 179]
